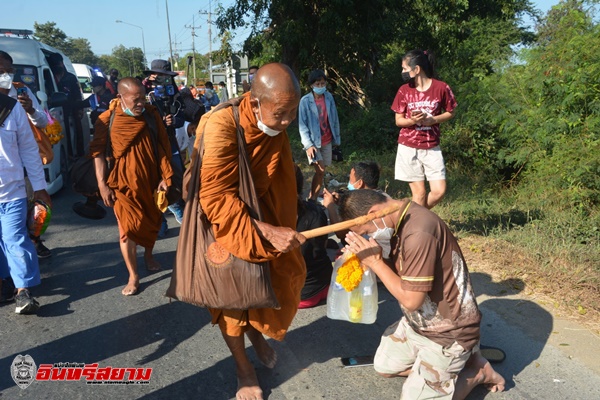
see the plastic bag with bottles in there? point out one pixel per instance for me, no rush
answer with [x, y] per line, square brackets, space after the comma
[357, 306]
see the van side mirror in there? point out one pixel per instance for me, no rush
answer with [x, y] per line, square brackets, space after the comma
[57, 99]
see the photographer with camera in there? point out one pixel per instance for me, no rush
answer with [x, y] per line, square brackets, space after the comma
[162, 92]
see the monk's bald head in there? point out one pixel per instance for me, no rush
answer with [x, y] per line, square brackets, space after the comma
[273, 79]
[133, 96]
[128, 84]
[274, 97]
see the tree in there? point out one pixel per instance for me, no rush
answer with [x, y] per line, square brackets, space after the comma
[350, 38]
[80, 52]
[77, 49]
[49, 34]
[130, 60]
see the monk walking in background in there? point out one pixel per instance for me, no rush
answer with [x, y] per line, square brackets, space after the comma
[130, 185]
[265, 113]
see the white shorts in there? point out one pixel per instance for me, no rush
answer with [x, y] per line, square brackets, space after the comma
[414, 165]
[323, 154]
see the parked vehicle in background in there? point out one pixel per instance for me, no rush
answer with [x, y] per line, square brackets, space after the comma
[30, 61]
[84, 74]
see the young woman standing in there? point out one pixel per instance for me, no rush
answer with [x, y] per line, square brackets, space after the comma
[421, 105]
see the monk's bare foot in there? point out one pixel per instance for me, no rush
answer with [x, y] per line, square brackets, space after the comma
[152, 265]
[486, 375]
[264, 351]
[248, 387]
[131, 288]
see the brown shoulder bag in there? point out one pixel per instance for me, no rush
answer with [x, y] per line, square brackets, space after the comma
[205, 274]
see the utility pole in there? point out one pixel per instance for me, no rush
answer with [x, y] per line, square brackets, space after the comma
[193, 27]
[209, 13]
[175, 61]
[169, 29]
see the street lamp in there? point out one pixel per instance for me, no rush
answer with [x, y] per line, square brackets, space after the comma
[143, 41]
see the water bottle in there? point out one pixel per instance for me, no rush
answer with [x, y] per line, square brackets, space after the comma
[356, 306]
[334, 297]
[370, 296]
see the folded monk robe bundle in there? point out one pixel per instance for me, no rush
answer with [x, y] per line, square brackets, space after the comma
[350, 273]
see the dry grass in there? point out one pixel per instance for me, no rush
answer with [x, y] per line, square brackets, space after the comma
[559, 291]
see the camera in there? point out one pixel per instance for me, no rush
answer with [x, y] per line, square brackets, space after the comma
[163, 92]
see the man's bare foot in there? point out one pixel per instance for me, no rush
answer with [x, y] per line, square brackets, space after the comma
[152, 265]
[477, 371]
[248, 387]
[264, 351]
[485, 374]
[131, 288]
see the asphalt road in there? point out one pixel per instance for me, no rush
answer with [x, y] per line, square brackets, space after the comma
[85, 319]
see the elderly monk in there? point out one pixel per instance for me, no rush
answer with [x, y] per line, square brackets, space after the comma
[265, 113]
[129, 187]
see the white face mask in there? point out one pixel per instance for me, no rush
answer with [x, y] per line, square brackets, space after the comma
[382, 233]
[6, 80]
[264, 128]
[383, 236]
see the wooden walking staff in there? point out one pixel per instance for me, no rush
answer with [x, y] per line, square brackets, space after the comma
[326, 230]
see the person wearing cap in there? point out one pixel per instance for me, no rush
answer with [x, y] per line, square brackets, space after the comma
[160, 74]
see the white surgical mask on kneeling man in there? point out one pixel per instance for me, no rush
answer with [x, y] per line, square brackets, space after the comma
[383, 237]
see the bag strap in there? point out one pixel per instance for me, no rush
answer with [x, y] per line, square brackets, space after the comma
[108, 153]
[151, 122]
[7, 103]
[196, 158]
[245, 176]
[246, 182]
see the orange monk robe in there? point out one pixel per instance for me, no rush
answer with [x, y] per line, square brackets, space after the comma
[134, 177]
[272, 168]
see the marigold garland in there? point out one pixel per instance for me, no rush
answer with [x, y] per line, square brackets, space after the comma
[350, 273]
[53, 131]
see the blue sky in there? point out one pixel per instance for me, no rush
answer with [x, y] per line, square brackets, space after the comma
[96, 22]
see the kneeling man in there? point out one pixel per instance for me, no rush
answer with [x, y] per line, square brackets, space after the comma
[436, 343]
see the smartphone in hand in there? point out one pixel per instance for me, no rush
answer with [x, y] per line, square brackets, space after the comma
[21, 91]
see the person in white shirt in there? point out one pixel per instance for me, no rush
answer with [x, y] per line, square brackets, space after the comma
[18, 150]
[37, 117]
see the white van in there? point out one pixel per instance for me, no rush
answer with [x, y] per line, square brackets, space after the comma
[31, 67]
[84, 74]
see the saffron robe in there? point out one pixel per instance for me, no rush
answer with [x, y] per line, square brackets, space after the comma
[272, 169]
[135, 176]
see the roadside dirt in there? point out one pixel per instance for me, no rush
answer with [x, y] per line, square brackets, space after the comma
[509, 266]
